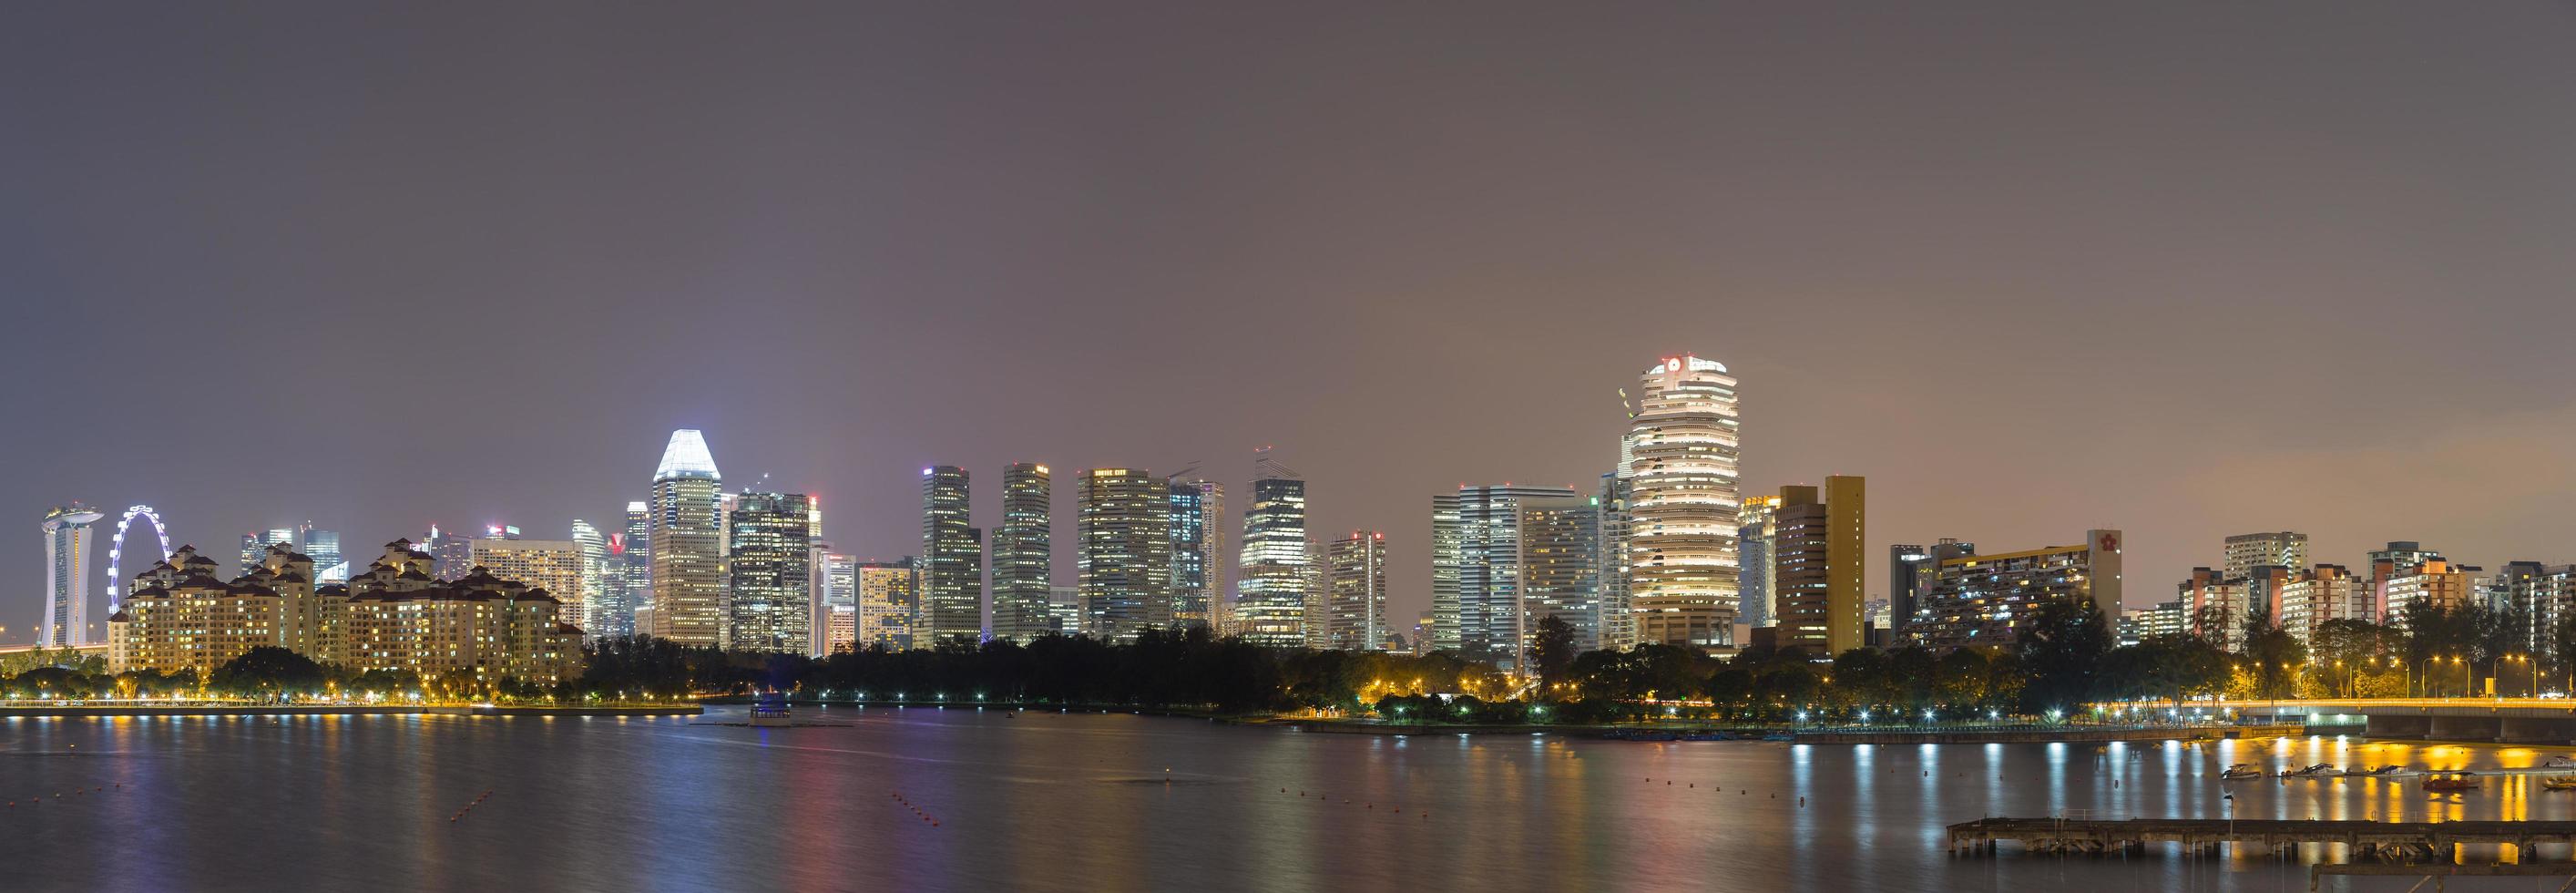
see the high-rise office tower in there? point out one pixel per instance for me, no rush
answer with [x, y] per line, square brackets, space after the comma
[687, 533]
[69, 538]
[1909, 570]
[770, 561]
[593, 547]
[254, 546]
[952, 551]
[1210, 564]
[1756, 525]
[323, 546]
[552, 565]
[1272, 606]
[1478, 531]
[1448, 544]
[627, 586]
[1355, 611]
[1023, 554]
[1190, 594]
[1682, 536]
[451, 555]
[889, 596]
[840, 593]
[1816, 553]
[1125, 567]
[2246, 551]
[1317, 594]
[1560, 543]
[1618, 623]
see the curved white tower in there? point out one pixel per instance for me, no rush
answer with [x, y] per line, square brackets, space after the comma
[1682, 534]
[68, 538]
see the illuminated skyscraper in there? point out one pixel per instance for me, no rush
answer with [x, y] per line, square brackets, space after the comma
[593, 546]
[1355, 610]
[1685, 438]
[1212, 555]
[1756, 524]
[688, 569]
[889, 597]
[840, 599]
[770, 563]
[254, 546]
[1618, 624]
[2247, 551]
[323, 546]
[1272, 608]
[451, 555]
[1191, 604]
[1448, 545]
[1023, 556]
[1816, 552]
[1126, 551]
[69, 538]
[1479, 531]
[952, 575]
[627, 582]
[1560, 543]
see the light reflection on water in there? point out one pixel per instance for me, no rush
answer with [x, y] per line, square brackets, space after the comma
[1078, 802]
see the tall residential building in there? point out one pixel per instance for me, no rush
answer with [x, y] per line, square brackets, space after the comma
[687, 533]
[2399, 558]
[1208, 567]
[1191, 602]
[451, 555]
[70, 537]
[2434, 580]
[1817, 554]
[2246, 551]
[2323, 593]
[1757, 525]
[1618, 623]
[1483, 541]
[1909, 568]
[889, 599]
[593, 597]
[952, 573]
[1988, 599]
[1560, 544]
[323, 546]
[555, 566]
[1683, 571]
[1355, 609]
[1023, 554]
[770, 565]
[1271, 610]
[1124, 559]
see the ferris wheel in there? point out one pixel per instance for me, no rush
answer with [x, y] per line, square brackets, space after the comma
[116, 549]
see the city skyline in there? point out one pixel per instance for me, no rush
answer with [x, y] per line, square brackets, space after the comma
[2126, 239]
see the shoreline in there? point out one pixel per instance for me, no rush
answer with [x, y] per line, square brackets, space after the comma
[2073, 735]
[117, 710]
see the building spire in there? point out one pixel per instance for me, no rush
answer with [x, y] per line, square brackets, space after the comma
[687, 457]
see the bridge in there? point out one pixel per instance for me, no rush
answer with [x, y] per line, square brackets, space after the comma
[2500, 720]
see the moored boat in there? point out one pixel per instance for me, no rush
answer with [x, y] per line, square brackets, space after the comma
[2452, 781]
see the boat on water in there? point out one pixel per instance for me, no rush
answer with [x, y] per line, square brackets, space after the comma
[2559, 762]
[2392, 769]
[2452, 781]
[2241, 770]
[2559, 783]
[2310, 772]
[769, 709]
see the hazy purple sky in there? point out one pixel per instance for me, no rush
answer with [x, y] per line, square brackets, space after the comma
[2183, 269]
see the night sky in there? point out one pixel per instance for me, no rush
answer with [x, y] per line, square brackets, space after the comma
[2181, 269]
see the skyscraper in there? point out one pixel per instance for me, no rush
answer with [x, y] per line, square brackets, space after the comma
[952, 575]
[1909, 570]
[1355, 611]
[1618, 623]
[451, 555]
[593, 547]
[1272, 608]
[254, 546]
[1478, 531]
[323, 546]
[1682, 535]
[889, 596]
[1209, 566]
[840, 597]
[1023, 554]
[1817, 555]
[69, 539]
[1756, 525]
[1190, 602]
[629, 573]
[1126, 551]
[769, 606]
[688, 566]
[2246, 551]
[1560, 541]
[1448, 544]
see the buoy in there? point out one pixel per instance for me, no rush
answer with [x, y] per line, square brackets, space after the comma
[1802, 803]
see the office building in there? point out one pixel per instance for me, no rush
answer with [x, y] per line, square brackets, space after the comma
[1816, 557]
[687, 533]
[1757, 525]
[323, 546]
[1979, 600]
[1192, 602]
[1124, 566]
[889, 600]
[1683, 567]
[451, 554]
[770, 566]
[1618, 622]
[1560, 570]
[593, 547]
[1273, 566]
[255, 545]
[1023, 560]
[70, 539]
[1909, 567]
[1478, 531]
[1354, 616]
[952, 551]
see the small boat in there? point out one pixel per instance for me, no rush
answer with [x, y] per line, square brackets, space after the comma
[2310, 772]
[2241, 770]
[2560, 783]
[2559, 763]
[2376, 771]
[770, 709]
[2452, 781]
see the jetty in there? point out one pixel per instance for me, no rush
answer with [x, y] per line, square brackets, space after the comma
[2364, 840]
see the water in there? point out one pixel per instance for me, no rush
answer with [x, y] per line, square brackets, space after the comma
[1051, 801]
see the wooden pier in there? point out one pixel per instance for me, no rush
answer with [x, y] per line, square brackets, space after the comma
[2363, 840]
